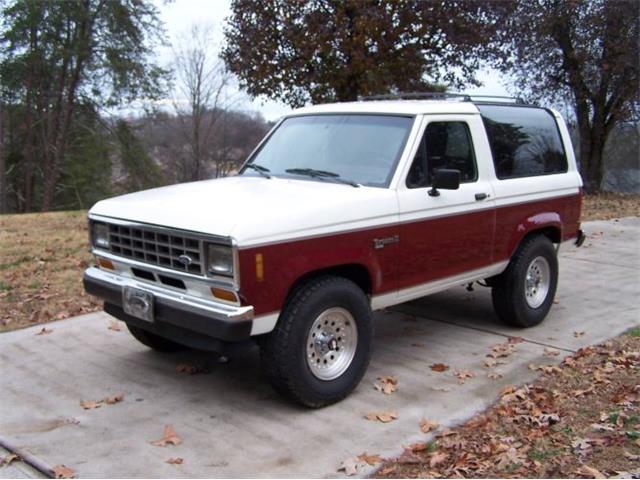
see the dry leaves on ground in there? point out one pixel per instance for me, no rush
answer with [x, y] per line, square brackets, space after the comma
[549, 352]
[110, 400]
[427, 426]
[382, 416]
[581, 419]
[463, 375]
[169, 437]
[175, 461]
[439, 367]
[369, 459]
[8, 459]
[62, 471]
[387, 385]
[44, 331]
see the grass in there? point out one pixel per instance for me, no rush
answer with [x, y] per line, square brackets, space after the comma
[42, 256]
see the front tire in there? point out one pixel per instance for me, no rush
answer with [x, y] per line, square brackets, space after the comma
[155, 342]
[321, 346]
[523, 294]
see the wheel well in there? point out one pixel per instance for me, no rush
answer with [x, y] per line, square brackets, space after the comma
[357, 273]
[552, 233]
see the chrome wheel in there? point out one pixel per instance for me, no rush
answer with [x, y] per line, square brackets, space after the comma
[537, 282]
[331, 343]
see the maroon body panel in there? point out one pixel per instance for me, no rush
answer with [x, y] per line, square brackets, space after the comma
[428, 250]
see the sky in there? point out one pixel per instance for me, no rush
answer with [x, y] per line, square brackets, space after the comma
[179, 16]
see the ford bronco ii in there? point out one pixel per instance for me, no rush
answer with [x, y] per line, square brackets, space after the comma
[341, 210]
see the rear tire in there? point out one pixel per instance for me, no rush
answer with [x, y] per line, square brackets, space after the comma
[523, 294]
[155, 342]
[321, 346]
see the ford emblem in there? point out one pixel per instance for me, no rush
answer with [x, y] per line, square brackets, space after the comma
[185, 260]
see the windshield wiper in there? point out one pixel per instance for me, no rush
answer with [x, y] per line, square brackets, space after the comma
[312, 172]
[264, 171]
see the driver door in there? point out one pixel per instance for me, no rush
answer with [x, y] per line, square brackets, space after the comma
[445, 237]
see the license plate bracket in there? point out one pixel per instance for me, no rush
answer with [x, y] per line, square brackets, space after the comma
[138, 303]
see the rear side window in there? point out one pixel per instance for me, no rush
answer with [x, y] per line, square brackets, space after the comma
[525, 142]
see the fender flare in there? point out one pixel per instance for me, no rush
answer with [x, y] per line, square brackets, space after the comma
[545, 221]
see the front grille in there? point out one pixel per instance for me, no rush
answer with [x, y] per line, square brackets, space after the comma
[149, 246]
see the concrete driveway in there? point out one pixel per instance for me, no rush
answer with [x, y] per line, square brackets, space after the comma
[233, 425]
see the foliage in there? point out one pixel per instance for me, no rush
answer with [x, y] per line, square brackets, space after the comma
[59, 55]
[299, 51]
[584, 50]
[140, 171]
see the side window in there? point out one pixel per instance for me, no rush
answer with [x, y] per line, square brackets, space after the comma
[443, 145]
[525, 142]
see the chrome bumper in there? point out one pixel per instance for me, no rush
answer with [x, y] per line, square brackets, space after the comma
[214, 319]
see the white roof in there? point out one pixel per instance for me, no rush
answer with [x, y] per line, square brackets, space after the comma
[401, 107]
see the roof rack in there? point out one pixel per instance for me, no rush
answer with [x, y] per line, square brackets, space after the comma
[465, 97]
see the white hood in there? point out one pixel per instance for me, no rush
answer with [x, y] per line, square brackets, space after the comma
[256, 210]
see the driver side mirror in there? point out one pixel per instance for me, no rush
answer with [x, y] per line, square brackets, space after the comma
[446, 179]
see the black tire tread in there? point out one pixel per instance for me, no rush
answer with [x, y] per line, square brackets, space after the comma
[503, 292]
[273, 348]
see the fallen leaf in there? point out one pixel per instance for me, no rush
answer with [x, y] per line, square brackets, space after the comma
[45, 331]
[387, 470]
[8, 459]
[170, 436]
[387, 385]
[383, 416]
[62, 471]
[510, 457]
[418, 447]
[501, 350]
[114, 325]
[581, 445]
[175, 461]
[427, 425]
[439, 367]
[350, 466]
[90, 404]
[577, 335]
[589, 472]
[494, 375]
[437, 458]
[548, 352]
[114, 399]
[369, 459]
[515, 340]
[632, 457]
[463, 375]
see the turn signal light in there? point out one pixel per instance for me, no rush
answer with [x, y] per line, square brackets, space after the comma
[104, 263]
[225, 295]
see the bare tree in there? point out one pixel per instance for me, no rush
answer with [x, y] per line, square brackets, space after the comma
[202, 85]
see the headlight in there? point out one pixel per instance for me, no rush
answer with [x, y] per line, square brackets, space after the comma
[219, 260]
[100, 235]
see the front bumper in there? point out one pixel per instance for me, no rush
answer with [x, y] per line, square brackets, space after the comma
[175, 313]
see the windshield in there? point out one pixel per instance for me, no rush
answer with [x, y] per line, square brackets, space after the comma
[357, 148]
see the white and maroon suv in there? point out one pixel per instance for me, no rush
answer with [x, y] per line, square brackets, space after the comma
[341, 210]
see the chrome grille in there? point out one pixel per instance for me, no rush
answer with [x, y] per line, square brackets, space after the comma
[157, 248]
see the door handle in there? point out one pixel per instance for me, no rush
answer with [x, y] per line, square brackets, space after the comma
[481, 196]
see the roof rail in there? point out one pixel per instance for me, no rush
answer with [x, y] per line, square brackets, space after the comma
[465, 97]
